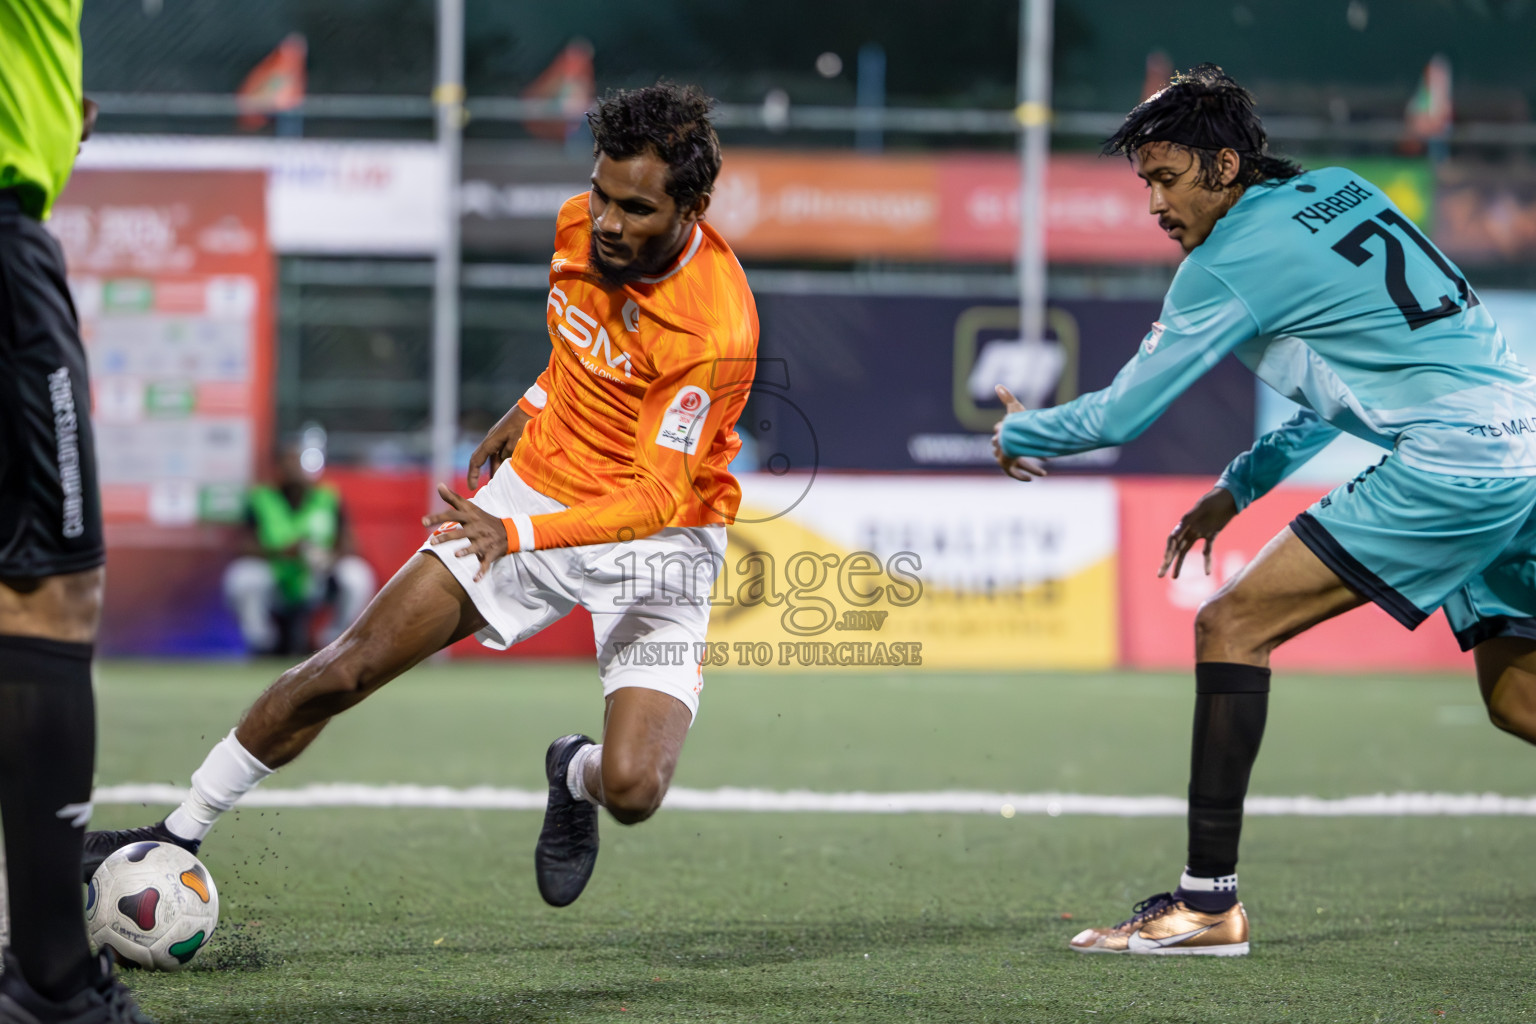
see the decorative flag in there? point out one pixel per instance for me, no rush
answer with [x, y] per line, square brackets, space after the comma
[1159, 71]
[570, 81]
[1428, 117]
[274, 85]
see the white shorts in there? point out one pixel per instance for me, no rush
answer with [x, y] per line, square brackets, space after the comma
[649, 598]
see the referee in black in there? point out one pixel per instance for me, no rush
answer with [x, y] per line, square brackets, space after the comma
[51, 549]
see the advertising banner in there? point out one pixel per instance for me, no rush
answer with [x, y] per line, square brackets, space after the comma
[838, 205]
[323, 196]
[1157, 616]
[171, 274]
[172, 279]
[1095, 211]
[776, 204]
[878, 573]
[906, 382]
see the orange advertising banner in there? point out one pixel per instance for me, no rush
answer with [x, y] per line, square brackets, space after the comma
[776, 204]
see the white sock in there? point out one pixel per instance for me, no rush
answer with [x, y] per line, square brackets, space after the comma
[1226, 883]
[576, 771]
[228, 773]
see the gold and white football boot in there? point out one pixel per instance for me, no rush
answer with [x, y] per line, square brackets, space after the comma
[1163, 925]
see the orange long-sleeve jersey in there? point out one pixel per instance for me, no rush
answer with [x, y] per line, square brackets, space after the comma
[634, 418]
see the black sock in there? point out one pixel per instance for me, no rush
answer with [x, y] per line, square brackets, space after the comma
[1231, 704]
[47, 756]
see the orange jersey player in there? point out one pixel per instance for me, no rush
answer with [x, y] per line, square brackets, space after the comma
[609, 489]
[632, 422]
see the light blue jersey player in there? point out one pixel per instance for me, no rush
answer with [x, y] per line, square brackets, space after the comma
[1322, 287]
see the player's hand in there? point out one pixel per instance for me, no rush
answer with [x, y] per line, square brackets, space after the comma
[1209, 517]
[487, 534]
[1020, 467]
[499, 442]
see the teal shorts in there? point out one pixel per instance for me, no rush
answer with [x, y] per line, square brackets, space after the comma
[1413, 541]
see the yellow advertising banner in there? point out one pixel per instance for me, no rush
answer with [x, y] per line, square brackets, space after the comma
[912, 572]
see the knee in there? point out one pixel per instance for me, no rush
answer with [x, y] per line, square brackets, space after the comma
[633, 787]
[341, 669]
[1512, 711]
[1213, 622]
[1224, 631]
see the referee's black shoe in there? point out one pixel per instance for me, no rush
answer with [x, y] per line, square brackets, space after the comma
[101, 845]
[567, 850]
[105, 1000]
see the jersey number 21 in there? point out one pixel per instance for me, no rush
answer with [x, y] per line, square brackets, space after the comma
[1352, 247]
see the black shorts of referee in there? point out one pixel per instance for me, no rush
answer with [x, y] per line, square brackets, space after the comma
[50, 502]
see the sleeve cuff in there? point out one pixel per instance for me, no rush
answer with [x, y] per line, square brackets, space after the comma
[533, 400]
[519, 533]
[1240, 494]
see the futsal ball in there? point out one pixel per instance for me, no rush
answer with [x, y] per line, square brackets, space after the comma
[154, 904]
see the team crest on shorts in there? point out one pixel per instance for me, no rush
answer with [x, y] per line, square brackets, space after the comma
[1149, 344]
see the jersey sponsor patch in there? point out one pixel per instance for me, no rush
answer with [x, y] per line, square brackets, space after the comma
[1149, 344]
[683, 422]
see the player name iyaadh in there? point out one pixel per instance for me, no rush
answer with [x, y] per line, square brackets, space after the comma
[1325, 210]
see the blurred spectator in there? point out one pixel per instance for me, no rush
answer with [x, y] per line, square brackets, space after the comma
[298, 559]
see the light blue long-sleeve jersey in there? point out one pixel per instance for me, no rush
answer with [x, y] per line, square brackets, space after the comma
[1324, 289]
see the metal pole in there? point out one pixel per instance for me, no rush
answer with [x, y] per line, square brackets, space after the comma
[1034, 114]
[448, 98]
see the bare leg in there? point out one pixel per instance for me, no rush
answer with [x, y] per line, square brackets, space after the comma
[1282, 593]
[420, 610]
[64, 608]
[1506, 674]
[643, 733]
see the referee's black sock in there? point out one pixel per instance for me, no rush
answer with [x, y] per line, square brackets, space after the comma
[47, 755]
[1231, 705]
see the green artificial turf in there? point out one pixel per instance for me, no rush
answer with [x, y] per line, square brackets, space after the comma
[432, 915]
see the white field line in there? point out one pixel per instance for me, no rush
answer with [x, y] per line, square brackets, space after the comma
[729, 798]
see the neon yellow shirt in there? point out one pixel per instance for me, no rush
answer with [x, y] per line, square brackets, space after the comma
[40, 94]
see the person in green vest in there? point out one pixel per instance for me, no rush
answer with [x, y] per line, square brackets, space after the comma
[51, 541]
[298, 558]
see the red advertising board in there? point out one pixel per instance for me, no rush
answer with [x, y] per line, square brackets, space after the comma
[172, 277]
[1095, 211]
[171, 274]
[1157, 616]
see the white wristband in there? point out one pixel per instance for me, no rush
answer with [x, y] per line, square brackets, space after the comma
[524, 526]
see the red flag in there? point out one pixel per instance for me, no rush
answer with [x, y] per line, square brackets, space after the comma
[568, 80]
[1159, 70]
[274, 85]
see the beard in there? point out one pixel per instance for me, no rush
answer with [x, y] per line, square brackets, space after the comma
[653, 256]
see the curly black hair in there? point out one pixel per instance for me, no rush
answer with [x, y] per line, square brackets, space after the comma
[1205, 111]
[669, 120]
